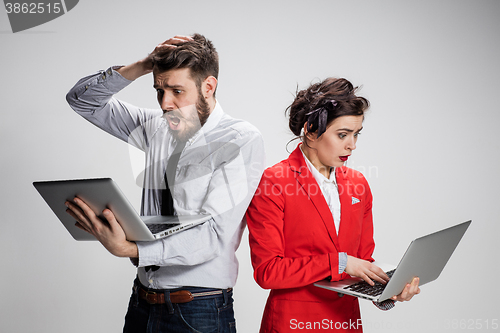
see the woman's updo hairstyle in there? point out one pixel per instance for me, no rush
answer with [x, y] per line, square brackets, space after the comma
[322, 103]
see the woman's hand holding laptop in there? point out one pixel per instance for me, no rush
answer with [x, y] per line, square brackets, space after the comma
[368, 272]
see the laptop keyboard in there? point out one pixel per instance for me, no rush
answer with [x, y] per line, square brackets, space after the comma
[363, 287]
[159, 227]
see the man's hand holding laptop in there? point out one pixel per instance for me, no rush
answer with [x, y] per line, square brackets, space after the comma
[110, 234]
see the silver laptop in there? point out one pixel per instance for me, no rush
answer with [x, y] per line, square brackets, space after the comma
[425, 257]
[104, 193]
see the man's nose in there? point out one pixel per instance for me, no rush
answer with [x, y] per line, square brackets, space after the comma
[166, 103]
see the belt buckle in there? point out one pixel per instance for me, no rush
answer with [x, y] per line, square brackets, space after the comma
[152, 293]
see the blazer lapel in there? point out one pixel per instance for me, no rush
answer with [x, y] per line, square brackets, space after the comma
[306, 180]
[345, 195]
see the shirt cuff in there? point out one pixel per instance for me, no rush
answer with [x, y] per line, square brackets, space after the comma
[385, 305]
[342, 262]
[148, 253]
[113, 80]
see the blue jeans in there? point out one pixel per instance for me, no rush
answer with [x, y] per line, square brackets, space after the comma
[214, 314]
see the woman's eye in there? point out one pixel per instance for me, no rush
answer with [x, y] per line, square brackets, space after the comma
[342, 136]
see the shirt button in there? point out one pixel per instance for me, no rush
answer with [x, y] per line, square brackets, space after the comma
[104, 76]
[109, 71]
[150, 281]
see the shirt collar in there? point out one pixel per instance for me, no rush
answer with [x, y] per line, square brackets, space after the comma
[317, 175]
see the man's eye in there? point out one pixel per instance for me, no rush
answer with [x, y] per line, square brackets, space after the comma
[177, 91]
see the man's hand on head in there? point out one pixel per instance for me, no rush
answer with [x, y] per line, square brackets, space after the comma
[167, 45]
[145, 66]
[171, 43]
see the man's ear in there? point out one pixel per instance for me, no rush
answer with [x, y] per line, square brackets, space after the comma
[208, 87]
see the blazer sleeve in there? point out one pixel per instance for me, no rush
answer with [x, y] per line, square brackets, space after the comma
[272, 268]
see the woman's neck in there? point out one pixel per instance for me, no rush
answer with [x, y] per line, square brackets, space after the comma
[312, 156]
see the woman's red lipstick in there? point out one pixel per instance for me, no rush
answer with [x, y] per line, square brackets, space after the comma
[344, 158]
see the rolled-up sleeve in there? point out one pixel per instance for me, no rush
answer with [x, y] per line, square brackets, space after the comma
[92, 97]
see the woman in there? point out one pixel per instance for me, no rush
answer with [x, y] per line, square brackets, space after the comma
[311, 217]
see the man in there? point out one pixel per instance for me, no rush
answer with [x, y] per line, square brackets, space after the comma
[220, 165]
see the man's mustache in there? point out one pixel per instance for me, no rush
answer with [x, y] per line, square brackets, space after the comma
[178, 112]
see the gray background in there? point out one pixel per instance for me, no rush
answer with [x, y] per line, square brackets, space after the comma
[429, 148]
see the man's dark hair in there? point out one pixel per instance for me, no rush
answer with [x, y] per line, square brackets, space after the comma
[199, 55]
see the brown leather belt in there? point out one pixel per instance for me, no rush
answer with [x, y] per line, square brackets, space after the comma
[181, 296]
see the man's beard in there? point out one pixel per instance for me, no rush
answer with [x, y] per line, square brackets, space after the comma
[194, 121]
[203, 109]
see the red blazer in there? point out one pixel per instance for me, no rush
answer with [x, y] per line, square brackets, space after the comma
[294, 243]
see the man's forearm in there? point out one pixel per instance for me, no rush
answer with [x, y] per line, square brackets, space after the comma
[136, 69]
